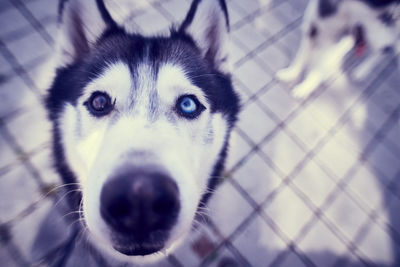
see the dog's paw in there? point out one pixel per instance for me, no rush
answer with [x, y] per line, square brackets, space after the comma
[286, 75]
[302, 91]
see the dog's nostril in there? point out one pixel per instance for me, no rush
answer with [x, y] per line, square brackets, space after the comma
[119, 208]
[139, 202]
[164, 205]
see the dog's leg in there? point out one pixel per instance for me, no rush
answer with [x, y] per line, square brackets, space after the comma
[313, 80]
[293, 72]
[310, 34]
[329, 65]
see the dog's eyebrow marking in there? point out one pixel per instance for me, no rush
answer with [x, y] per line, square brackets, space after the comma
[143, 96]
[172, 82]
[115, 80]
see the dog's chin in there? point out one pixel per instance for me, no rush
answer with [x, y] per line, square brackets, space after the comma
[128, 245]
[142, 253]
[138, 250]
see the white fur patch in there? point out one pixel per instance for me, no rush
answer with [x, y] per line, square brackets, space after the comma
[115, 80]
[173, 82]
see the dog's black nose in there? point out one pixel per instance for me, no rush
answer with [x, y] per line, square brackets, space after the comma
[137, 203]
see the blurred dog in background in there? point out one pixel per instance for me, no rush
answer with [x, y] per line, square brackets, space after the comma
[330, 29]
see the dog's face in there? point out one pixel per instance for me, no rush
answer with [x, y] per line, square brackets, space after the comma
[142, 124]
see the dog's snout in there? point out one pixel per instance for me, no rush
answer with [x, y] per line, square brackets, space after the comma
[138, 203]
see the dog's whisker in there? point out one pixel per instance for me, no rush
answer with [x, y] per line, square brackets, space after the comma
[64, 195]
[83, 234]
[79, 220]
[61, 186]
[195, 229]
[48, 193]
[206, 75]
[204, 210]
[72, 213]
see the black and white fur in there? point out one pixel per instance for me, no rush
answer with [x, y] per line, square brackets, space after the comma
[143, 166]
[330, 29]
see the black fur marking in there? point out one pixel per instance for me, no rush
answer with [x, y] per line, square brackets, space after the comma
[326, 8]
[387, 18]
[216, 176]
[192, 11]
[74, 195]
[100, 5]
[106, 15]
[61, 5]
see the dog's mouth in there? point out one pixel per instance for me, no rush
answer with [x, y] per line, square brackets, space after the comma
[360, 40]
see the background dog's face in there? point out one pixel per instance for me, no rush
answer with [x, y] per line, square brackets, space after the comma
[142, 123]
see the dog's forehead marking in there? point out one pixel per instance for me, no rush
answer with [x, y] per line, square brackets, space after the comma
[116, 80]
[172, 81]
[143, 97]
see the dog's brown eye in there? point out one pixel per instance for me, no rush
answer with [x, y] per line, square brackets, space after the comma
[99, 104]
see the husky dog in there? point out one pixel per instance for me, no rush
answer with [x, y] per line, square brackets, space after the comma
[331, 28]
[141, 123]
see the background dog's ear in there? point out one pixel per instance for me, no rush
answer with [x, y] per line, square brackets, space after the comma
[207, 22]
[82, 23]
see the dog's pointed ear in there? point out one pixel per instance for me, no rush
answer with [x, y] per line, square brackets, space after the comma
[207, 22]
[81, 24]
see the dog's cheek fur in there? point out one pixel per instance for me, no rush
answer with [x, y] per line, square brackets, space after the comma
[198, 162]
[68, 124]
[81, 143]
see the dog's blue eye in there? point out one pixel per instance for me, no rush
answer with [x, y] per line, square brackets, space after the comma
[189, 106]
[99, 104]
